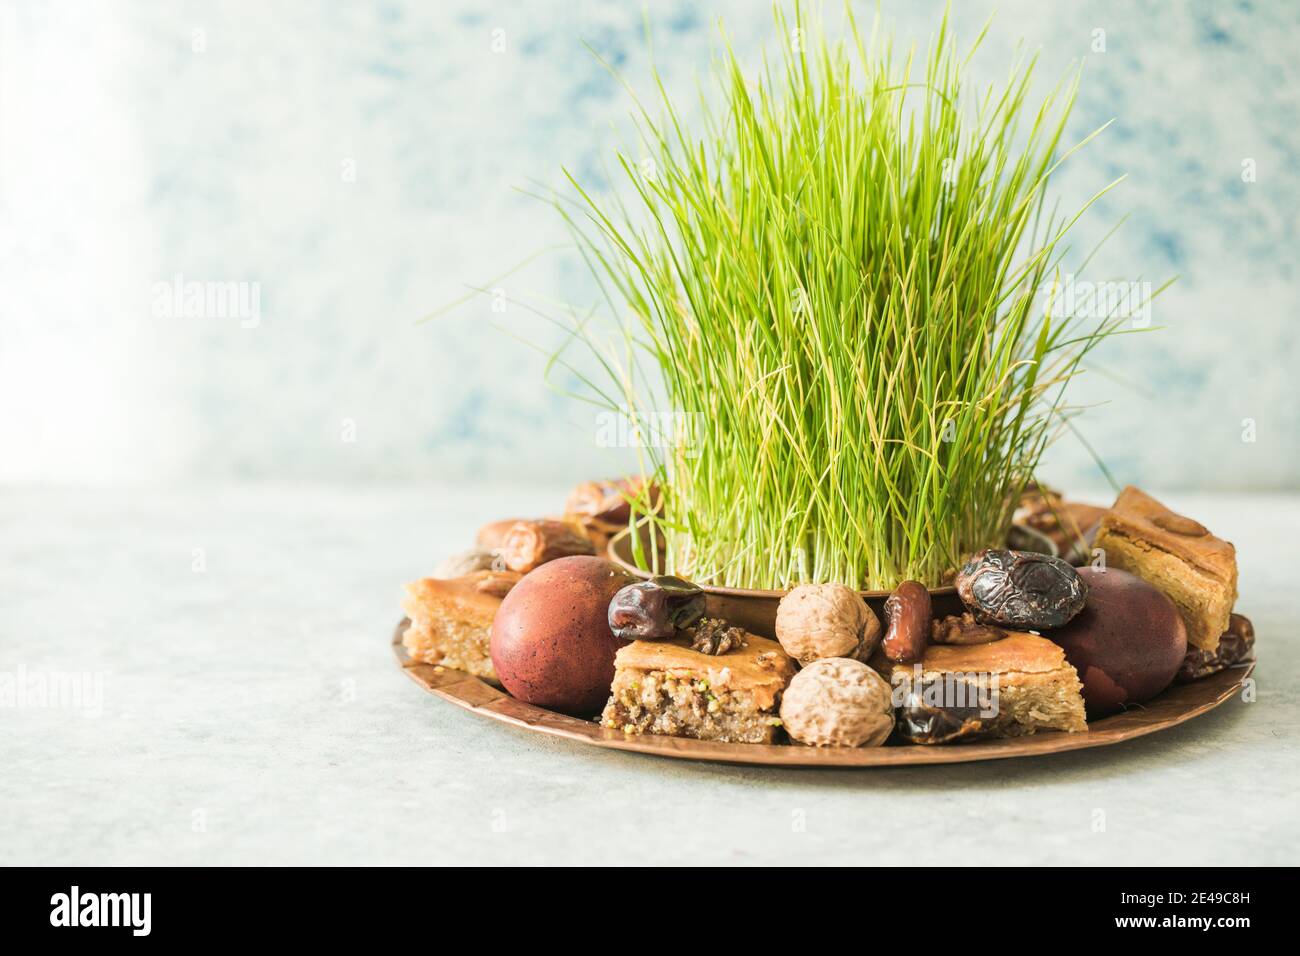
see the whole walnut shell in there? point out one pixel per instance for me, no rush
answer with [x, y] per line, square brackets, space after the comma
[826, 620]
[838, 702]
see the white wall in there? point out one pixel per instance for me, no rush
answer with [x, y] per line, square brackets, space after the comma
[357, 164]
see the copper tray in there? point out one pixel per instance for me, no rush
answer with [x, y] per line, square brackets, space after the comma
[1177, 704]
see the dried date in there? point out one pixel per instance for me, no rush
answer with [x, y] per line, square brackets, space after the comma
[530, 544]
[1021, 589]
[655, 609]
[1236, 646]
[610, 501]
[922, 717]
[908, 612]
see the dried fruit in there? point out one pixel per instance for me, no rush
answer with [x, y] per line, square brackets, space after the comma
[963, 629]
[492, 535]
[655, 609]
[838, 702]
[908, 612]
[594, 530]
[920, 721]
[1021, 589]
[608, 500]
[530, 544]
[712, 635]
[815, 621]
[1046, 523]
[1025, 537]
[1236, 646]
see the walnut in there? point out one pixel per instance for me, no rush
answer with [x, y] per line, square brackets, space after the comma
[837, 702]
[713, 635]
[826, 620]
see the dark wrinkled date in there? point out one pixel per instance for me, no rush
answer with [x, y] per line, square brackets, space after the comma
[1021, 589]
[919, 722]
[655, 609]
[1236, 646]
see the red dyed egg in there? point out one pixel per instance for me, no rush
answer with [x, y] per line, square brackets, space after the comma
[1127, 642]
[551, 642]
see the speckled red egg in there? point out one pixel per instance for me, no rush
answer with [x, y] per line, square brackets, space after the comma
[551, 642]
[1127, 642]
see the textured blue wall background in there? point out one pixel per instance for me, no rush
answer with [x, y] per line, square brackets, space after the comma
[358, 163]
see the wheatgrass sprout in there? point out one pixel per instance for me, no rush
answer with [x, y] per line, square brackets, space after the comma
[832, 276]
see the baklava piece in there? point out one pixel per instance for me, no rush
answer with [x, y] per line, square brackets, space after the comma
[1009, 688]
[451, 620]
[665, 687]
[1178, 556]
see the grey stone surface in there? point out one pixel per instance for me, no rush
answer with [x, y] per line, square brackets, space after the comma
[251, 713]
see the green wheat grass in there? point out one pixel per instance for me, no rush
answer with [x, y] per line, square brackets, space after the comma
[832, 276]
